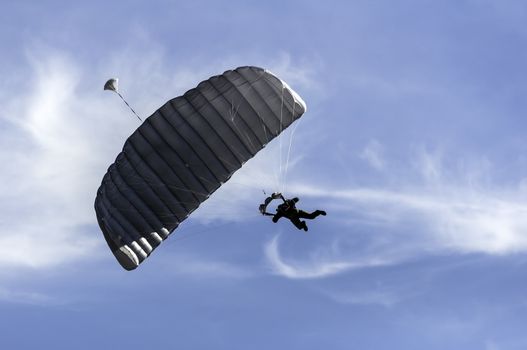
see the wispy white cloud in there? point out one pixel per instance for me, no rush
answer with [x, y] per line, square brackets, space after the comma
[440, 214]
[373, 154]
[454, 218]
[385, 298]
[186, 265]
[319, 265]
[31, 298]
[429, 165]
[51, 167]
[523, 185]
[303, 76]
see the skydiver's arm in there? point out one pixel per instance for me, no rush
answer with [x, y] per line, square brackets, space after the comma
[267, 214]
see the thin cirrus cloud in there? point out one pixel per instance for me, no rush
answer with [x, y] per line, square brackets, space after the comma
[436, 215]
[28, 298]
[186, 265]
[373, 154]
[50, 160]
[321, 265]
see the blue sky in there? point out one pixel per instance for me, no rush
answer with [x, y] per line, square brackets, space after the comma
[414, 142]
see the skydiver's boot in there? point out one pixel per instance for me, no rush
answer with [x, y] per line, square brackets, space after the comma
[321, 212]
[304, 226]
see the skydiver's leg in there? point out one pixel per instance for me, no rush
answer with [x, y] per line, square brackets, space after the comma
[301, 225]
[305, 215]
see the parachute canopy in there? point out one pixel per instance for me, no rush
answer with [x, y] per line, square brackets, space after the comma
[184, 152]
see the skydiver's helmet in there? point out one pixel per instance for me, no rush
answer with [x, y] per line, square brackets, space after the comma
[295, 199]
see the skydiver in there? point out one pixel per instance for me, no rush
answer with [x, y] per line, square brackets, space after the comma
[288, 210]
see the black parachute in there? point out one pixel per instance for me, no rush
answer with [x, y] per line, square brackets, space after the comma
[185, 151]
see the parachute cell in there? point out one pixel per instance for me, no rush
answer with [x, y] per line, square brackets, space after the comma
[184, 151]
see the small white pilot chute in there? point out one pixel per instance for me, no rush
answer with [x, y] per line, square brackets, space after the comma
[112, 85]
